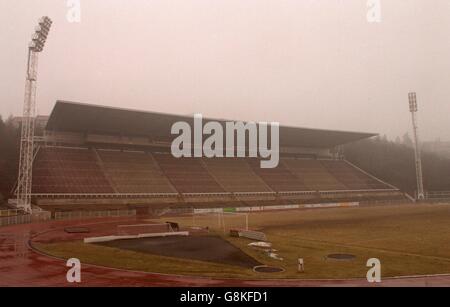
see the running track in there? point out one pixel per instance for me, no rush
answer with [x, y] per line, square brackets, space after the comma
[31, 268]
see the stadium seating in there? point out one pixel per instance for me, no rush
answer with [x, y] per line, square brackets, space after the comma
[133, 172]
[68, 171]
[235, 175]
[187, 175]
[352, 178]
[60, 170]
[279, 179]
[314, 175]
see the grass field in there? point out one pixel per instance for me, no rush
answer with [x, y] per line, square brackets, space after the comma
[407, 239]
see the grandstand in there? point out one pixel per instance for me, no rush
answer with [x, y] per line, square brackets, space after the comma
[96, 156]
[126, 174]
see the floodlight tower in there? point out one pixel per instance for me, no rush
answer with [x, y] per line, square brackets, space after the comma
[28, 120]
[413, 109]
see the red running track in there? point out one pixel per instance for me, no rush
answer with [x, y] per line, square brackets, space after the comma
[30, 268]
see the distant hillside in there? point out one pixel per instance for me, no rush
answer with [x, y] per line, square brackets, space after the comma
[394, 163]
[440, 148]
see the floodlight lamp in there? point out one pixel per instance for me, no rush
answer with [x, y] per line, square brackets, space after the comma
[42, 30]
[40, 36]
[45, 25]
[39, 39]
[412, 102]
[45, 21]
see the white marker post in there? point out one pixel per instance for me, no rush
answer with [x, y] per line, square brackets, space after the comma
[301, 267]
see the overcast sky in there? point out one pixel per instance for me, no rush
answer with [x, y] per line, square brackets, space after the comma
[309, 63]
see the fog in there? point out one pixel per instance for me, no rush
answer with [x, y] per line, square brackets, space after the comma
[308, 63]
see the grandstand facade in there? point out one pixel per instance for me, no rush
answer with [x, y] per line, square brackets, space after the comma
[108, 157]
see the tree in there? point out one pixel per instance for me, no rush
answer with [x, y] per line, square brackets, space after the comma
[9, 156]
[394, 163]
[407, 141]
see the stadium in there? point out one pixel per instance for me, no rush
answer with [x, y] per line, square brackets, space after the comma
[92, 155]
[114, 192]
[107, 190]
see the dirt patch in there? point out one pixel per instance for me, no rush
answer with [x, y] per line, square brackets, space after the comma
[203, 248]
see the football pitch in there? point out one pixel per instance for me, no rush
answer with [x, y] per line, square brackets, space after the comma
[407, 239]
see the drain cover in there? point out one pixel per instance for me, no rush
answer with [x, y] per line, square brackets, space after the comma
[341, 257]
[267, 269]
[77, 230]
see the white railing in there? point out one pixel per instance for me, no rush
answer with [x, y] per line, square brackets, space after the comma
[73, 215]
[40, 216]
[14, 220]
[14, 217]
[15, 243]
[171, 195]
[10, 212]
[103, 195]
[437, 195]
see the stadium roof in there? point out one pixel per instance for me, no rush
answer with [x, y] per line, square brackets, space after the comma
[87, 118]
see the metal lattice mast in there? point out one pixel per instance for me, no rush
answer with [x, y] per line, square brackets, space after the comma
[28, 120]
[419, 177]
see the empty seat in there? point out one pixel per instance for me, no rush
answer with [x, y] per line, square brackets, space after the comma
[279, 179]
[134, 172]
[313, 174]
[351, 177]
[68, 171]
[187, 175]
[235, 175]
